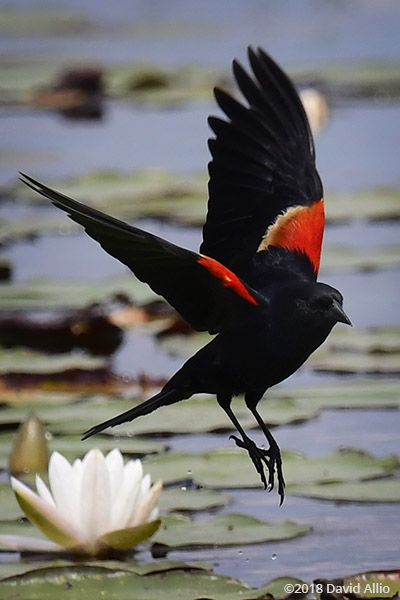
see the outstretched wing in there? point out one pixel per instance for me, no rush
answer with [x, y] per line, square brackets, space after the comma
[264, 188]
[198, 287]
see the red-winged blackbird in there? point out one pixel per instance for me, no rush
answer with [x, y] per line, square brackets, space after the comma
[254, 281]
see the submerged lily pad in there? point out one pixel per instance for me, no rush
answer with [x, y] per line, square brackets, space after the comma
[179, 531]
[233, 469]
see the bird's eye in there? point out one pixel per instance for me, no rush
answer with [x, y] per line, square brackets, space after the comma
[324, 302]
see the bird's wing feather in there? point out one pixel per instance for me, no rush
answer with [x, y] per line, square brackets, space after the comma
[198, 287]
[263, 166]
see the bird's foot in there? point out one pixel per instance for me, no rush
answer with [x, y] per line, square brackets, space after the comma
[261, 458]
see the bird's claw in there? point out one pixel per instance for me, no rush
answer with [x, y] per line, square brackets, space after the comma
[271, 458]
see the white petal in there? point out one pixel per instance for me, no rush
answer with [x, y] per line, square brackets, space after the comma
[95, 499]
[147, 504]
[127, 495]
[62, 481]
[43, 490]
[28, 544]
[115, 467]
[155, 513]
[46, 517]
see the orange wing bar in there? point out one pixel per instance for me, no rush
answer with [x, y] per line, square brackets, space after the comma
[300, 228]
[227, 277]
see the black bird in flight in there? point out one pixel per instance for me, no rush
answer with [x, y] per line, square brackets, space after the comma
[253, 283]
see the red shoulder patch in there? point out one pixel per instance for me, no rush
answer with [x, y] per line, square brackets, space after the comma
[300, 228]
[227, 277]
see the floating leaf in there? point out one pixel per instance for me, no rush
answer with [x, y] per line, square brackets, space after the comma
[233, 469]
[376, 490]
[25, 361]
[197, 415]
[373, 583]
[75, 582]
[67, 294]
[349, 258]
[182, 499]
[233, 529]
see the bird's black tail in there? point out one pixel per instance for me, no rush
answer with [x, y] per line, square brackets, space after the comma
[165, 397]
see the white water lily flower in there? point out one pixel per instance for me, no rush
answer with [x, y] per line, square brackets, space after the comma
[92, 506]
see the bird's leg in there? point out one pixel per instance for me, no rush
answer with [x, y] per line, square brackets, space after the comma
[256, 454]
[273, 452]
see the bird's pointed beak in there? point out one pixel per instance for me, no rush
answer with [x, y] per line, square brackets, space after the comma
[340, 315]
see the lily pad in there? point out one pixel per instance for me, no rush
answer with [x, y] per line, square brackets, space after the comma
[25, 361]
[368, 393]
[178, 500]
[367, 80]
[197, 415]
[376, 490]
[233, 469]
[79, 581]
[179, 531]
[44, 293]
[373, 582]
[9, 508]
[378, 204]
[349, 258]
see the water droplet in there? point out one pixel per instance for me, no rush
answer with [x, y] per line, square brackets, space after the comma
[274, 556]
[184, 488]
[240, 552]
[48, 436]
[189, 472]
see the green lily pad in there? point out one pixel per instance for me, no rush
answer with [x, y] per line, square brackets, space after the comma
[178, 499]
[9, 508]
[179, 531]
[84, 581]
[370, 393]
[377, 204]
[16, 360]
[41, 22]
[197, 415]
[349, 258]
[375, 350]
[376, 490]
[47, 293]
[367, 80]
[349, 363]
[373, 582]
[233, 469]
[374, 340]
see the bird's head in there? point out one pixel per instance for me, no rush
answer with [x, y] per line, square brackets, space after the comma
[311, 308]
[320, 304]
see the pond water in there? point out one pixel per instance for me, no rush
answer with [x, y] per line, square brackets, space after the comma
[359, 149]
